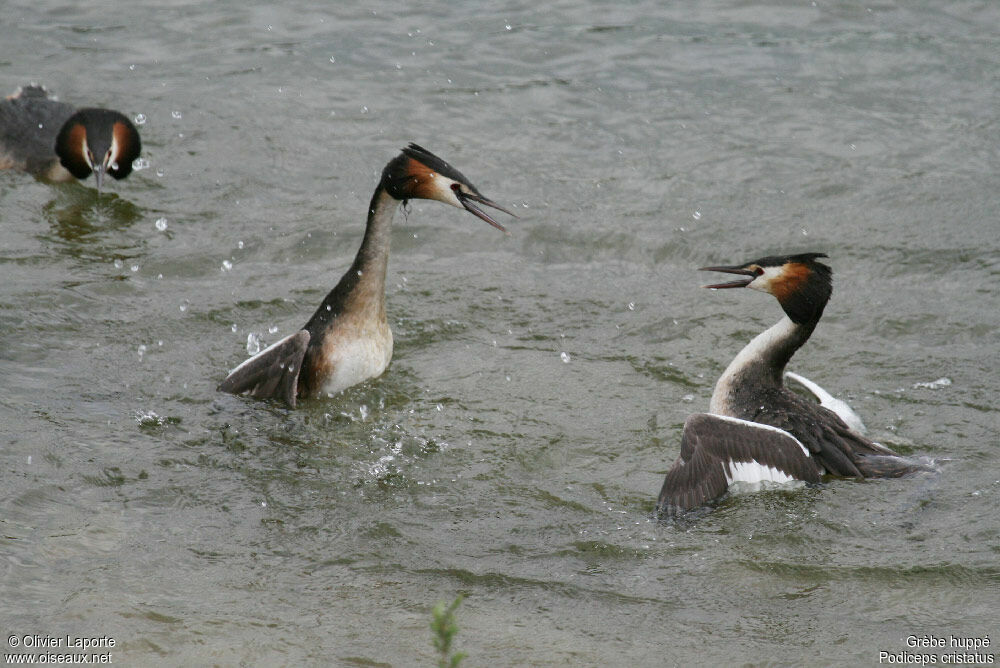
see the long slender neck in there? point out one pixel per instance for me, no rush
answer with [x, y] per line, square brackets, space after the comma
[362, 288]
[760, 365]
[372, 260]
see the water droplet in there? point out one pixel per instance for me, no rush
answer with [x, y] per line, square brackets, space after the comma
[933, 385]
[226, 265]
[439, 407]
[135, 268]
[159, 171]
[696, 215]
[119, 264]
[364, 110]
[139, 164]
[631, 306]
[564, 356]
[183, 307]
[508, 27]
[688, 398]
[176, 114]
[273, 329]
[161, 224]
[253, 344]
[113, 165]
[140, 119]
[233, 328]
[332, 59]
[239, 244]
[142, 351]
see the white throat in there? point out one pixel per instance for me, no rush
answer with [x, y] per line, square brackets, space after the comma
[753, 354]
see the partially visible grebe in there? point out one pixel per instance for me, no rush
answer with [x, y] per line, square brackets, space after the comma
[56, 141]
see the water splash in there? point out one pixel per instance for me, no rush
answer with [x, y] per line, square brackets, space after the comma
[148, 419]
[933, 385]
[253, 343]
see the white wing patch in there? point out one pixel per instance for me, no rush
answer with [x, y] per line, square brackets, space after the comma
[830, 402]
[753, 472]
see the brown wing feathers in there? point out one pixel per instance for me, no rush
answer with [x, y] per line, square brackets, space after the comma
[273, 374]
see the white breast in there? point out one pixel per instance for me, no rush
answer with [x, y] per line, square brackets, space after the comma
[358, 359]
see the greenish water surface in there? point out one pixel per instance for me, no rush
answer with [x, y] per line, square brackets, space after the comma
[514, 449]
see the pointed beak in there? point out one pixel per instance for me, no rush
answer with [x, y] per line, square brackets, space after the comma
[99, 172]
[731, 270]
[470, 200]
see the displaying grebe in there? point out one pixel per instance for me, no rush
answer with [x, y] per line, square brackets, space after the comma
[56, 141]
[348, 340]
[757, 429]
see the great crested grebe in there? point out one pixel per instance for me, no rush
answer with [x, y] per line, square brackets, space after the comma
[758, 430]
[348, 340]
[58, 142]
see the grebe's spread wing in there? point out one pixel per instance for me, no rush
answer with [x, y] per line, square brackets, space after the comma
[273, 373]
[717, 451]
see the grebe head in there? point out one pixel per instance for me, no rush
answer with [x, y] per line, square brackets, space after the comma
[801, 284]
[101, 141]
[417, 173]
